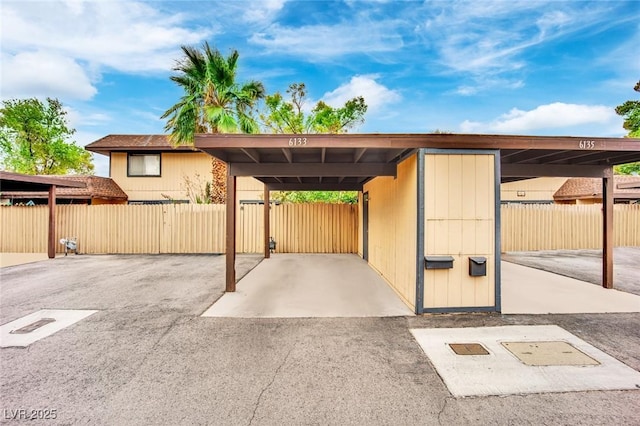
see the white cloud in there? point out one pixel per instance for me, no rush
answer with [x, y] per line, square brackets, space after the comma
[38, 74]
[76, 41]
[263, 11]
[486, 39]
[481, 84]
[321, 42]
[77, 119]
[552, 116]
[375, 94]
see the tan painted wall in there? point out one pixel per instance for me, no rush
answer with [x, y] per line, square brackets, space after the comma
[176, 168]
[392, 228]
[459, 222]
[360, 230]
[536, 189]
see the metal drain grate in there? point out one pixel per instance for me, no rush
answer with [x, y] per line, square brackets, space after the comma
[468, 349]
[33, 326]
[548, 353]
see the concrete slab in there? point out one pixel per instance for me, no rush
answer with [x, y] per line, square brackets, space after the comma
[62, 318]
[585, 265]
[12, 259]
[502, 373]
[532, 291]
[310, 285]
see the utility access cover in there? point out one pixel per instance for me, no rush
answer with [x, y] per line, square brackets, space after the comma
[468, 349]
[24, 331]
[548, 353]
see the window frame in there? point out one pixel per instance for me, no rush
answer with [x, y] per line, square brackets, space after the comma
[142, 154]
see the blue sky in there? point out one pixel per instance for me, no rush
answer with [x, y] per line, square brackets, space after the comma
[515, 67]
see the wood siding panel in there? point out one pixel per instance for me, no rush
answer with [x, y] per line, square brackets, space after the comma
[393, 228]
[537, 189]
[459, 188]
[176, 169]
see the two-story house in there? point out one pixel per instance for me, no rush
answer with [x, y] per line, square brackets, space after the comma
[151, 171]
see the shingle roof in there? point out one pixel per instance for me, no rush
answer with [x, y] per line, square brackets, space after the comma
[581, 188]
[96, 187]
[121, 143]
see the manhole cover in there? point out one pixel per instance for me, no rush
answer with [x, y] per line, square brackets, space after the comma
[33, 326]
[468, 349]
[548, 353]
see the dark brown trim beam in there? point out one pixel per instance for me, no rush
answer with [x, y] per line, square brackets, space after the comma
[357, 155]
[252, 153]
[405, 141]
[312, 169]
[231, 234]
[318, 186]
[552, 170]
[607, 229]
[287, 154]
[628, 185]
[218, 153]
[323, 155]
[267, 225]
[51, 246]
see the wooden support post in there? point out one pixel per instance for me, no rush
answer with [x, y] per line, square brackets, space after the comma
[51, 246]
[267, 226]
[607, 229]
[231, 232]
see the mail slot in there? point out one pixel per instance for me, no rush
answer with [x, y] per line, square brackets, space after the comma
[438, 262]
[477, 266]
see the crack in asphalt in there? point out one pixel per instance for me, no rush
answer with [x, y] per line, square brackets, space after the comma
[275, 374]
[444, 406]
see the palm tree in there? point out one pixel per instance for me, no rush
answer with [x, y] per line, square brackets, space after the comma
[213, 102]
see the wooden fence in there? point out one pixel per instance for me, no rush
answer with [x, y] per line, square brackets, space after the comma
[297, 228]
[553, 226]
[181, 228]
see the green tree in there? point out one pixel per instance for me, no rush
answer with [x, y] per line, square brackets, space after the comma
[213, 102]
[330, 197]
[35, 139]
[630, 111]
[288, 116]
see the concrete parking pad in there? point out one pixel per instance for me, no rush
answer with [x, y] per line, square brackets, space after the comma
[585, 265]
[532, 291]
[310, 285]
[503, 373]
[12, 259]
[57, 320]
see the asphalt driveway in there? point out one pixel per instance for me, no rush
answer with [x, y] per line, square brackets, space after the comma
[148, 357]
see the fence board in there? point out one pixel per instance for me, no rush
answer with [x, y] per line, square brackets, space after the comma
[180, 228]
[297, 228]
[528, 227]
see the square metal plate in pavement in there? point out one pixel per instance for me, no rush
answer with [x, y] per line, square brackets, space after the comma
[548, 353]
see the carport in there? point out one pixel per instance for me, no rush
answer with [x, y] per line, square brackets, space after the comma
[353, 161]
[28, 183]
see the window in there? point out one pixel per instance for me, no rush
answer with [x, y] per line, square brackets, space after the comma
[143, 165]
